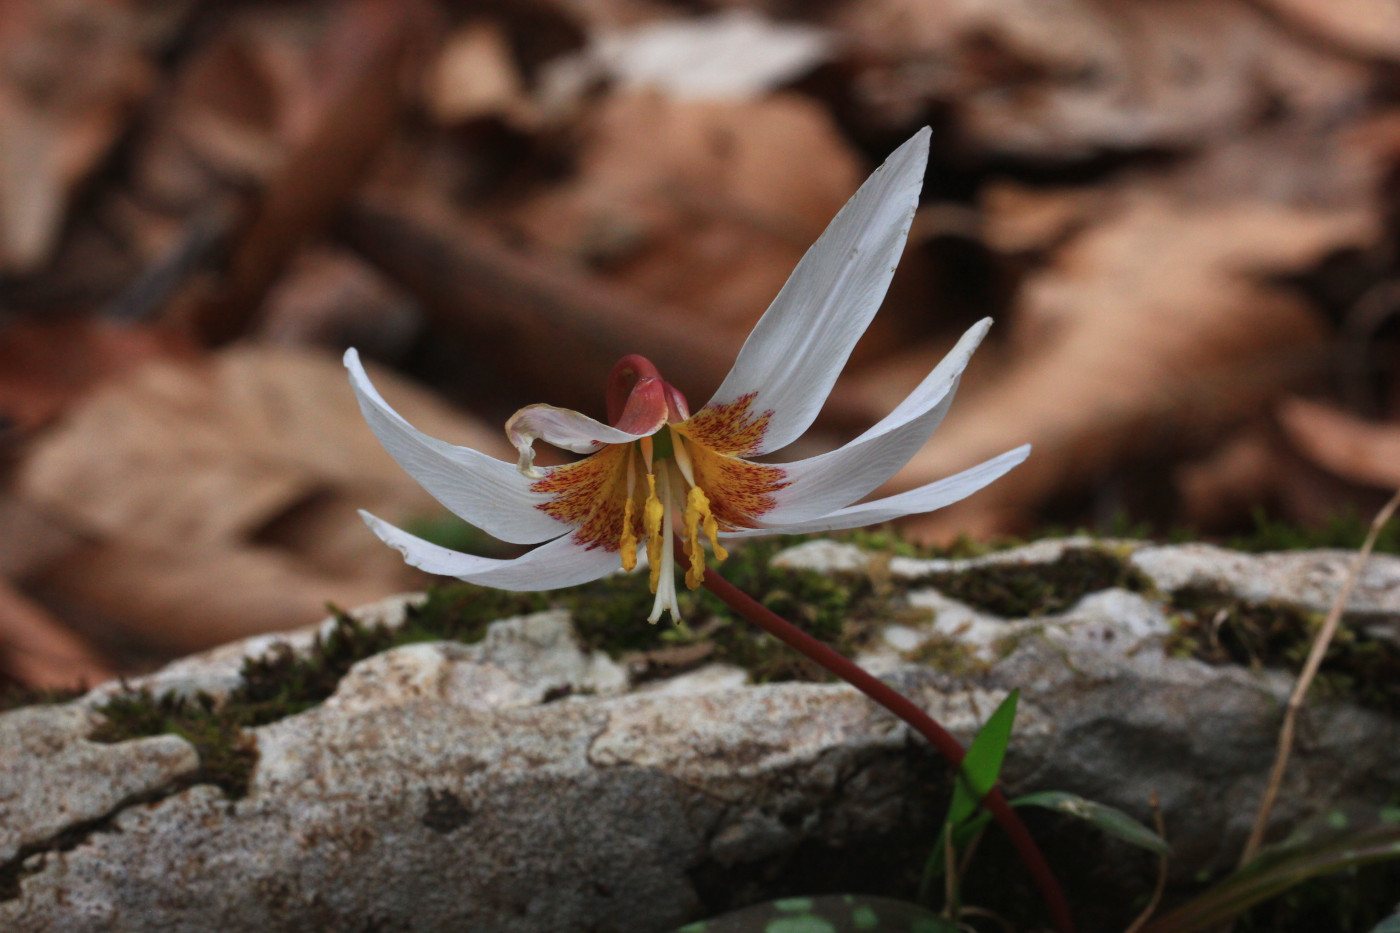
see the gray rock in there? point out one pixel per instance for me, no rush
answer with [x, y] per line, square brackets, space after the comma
[520, 784]
[54, 778]
[1307, 579]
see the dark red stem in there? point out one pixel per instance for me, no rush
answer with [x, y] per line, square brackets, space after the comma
[901, 706]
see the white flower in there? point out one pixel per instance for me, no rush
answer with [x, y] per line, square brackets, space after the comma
[658, 469]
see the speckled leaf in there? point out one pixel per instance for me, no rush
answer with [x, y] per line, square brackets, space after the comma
[837, 913]
[1390, 924]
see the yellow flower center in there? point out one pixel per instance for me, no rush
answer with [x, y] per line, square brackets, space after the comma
[671, 489]
[697, 513]
[652, 516]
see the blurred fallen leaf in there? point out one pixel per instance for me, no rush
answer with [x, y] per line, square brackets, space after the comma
[1369, 28]
[1364, 452]
[73, 73]
[45, 365]
[143, 605]
[37, 650]
[475, 75]
[1154, 330]
[1066, 79]
[255, 459]
[702, 206]
[734, 54]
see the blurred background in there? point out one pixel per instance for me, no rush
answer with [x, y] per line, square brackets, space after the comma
[1181, 214]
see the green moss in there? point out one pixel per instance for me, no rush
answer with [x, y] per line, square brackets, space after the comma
[841, 609]
[890, 540]
[1216, 626]
[947, 654]
[13, 696]
[609, 614]
[227, 754]
[1345, 530]
[283, 682]
[1022, 590]
[838, 608]
[461, 612]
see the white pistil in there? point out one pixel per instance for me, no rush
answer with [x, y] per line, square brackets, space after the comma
[666, 585]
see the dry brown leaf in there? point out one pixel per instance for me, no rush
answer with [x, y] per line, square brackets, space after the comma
[204, 454]
[700, 206]
[476, 76]
[254, 459]
[545, 327]
[29, 538]
[37, 650]
[733, 54]
[147, 604]
[1361, 451]
[45, 366]
[1240, 474]
[72, 74]
[1154, 330]
[1068, 78]
[1369, 28]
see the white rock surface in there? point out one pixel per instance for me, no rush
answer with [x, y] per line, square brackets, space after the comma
[520, 785]
[54, 778]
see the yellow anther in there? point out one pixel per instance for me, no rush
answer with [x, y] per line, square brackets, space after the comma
[651, 521]
[697, 514]
[629, 537]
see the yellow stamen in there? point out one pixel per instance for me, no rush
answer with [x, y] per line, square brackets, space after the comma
[651, 521]
[629, 537]
[697, 512]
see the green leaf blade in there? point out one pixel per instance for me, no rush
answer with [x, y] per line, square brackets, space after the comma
[1112, 821]
[982, 765]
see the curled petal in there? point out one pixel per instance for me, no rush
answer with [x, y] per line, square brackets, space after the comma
[788, 364]
[568, 429]
[820, 485]
[482, 490]
[914, 502]
[559, 563]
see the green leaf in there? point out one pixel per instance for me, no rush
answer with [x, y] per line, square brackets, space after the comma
[977, 776]
[982, 764]
[1271, 875]
[1114, 822]
[836, 913]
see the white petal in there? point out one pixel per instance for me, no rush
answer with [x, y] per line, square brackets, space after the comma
[820, 485]
[564, 428]
[914, 502]
[799, 346]
[489, 493]
[561, 562]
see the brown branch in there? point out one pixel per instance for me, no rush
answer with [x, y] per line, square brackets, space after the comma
[363, 100]
[1155, 802]
[1310, 668]
[564, 328]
